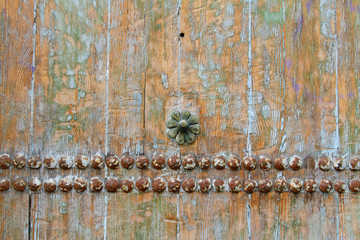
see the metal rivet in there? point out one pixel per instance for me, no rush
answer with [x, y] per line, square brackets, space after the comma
[233, 163]
[112, 184]
[249, 163]
[219, 162]
[19, 161]
[340, 186]
[354, 185]
[158, 185]
[142, 184]
[127, 162]
[50, 185]
[183, 127]
[324, 163]
[189, 185]
[295, 163]
[189, 162]
[49, 162]
[340, 164]
[65, 162]
[34, 184]
[219, 185]
[295, 185]
[158, 162]
[35, 162]
[97, 162]
[126, 185]
[264, 185]
[204, 163]
[96, 185]
[81, 161]
[65, 184]
[204, 185]
[325, 186]
[4, 184]
[174, 162]
[264, 162]
[112, 162]
[310, 185]
[5, 161]
[250, 186]
[280, 163]
[19, 184]
[142, 162]
[174, 185]
[80, 184]
[280, 185]
[234, 185]
[354, 163]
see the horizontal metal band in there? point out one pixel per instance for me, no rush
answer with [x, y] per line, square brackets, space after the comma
[188, 162]
[176, 185]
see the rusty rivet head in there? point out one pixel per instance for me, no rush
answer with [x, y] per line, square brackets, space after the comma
[158, 162]
[112, 184]
[204, 163]
[174, 185]
[339, 164]
[4, 184]
[127, 162]
[340, 186]
[34, 184]
[354, 185]
[295, 163]
[112, 162]
[219, 162]
[126, 185]
[234, 185]
[189, 185]
[50, 185]
[264, 185]
[295, 185]
[81, 161]
[324, 163]
[142, 184]
[233, 163]
[174, 162]
[96, 185]
[219, 185]
[183, 127]
[19, 184]
[19, 161]
[65, 162]
[142, 162]
[325, 186]
[204, 185]
[49, 162]
[97, 162]
[189, 162]
[264, 162]
[354, 163]
[158, 185]
[280, 163]
[250, 163]
[5, 161]
[310, 185]
[250, 186]
[65, 184]
[80, 184]
[35, 162]
[280, 185]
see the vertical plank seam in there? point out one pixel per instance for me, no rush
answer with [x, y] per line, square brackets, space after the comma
[144, 90]
[336, 89]
[107, 108]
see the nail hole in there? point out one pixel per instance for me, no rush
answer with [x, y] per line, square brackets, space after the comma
[182, 34]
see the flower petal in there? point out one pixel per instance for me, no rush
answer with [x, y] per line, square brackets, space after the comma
[185, 114]
[175, 115]
[190, 137]
[193, 119]
[172, 132]
[180, 138]
[195, 129]
[171, 123]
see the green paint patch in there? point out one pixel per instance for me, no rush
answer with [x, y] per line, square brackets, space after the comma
[272, 17]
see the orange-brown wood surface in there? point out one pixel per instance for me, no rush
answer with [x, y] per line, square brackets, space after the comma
[102, 77]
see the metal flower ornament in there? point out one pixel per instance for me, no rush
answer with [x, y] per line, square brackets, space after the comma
[183, 127]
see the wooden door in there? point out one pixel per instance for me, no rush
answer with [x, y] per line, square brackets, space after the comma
[90, 78]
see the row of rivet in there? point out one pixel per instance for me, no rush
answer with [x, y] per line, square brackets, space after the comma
[188, 162]
[143, 184]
